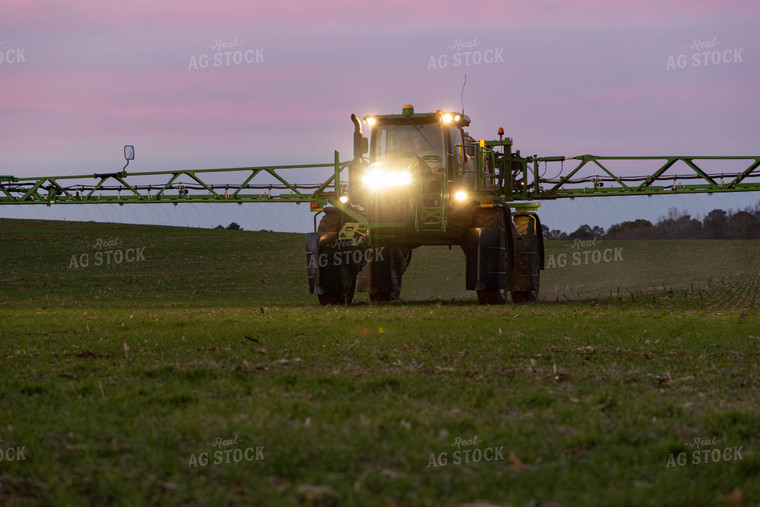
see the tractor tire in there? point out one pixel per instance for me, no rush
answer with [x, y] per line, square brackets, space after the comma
[526, 273]
[335, 298]
[393, 269]
[380, 297]
[333, 222]
[491, 218]
[524, 297]
[491, 297]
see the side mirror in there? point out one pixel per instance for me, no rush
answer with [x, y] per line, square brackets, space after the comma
[129, 152]
[361, 143]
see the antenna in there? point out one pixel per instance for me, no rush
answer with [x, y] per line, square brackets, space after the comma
[463, 85]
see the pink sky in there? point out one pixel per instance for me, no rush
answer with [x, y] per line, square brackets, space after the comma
[580, 77]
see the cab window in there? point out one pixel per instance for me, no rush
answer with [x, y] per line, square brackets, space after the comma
[412, 139]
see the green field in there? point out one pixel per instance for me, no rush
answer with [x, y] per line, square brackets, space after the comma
[204, 373]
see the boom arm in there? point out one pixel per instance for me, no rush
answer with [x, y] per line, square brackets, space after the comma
[522, 178]
[501, 175]
[255, 184]
[607, 182]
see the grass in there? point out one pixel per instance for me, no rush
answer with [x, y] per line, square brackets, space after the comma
[118, 378]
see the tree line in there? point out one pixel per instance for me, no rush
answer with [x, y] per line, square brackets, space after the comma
[717, 224]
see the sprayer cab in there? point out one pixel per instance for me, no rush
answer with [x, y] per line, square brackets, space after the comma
[402, 144]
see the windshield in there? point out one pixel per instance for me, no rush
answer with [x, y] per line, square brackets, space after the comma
[404, 140]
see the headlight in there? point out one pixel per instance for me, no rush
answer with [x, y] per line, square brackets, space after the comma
[460, 196]
[378, 179]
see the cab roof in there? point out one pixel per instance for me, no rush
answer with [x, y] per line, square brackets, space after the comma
[409, 116]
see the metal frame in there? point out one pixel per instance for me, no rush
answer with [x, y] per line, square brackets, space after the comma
[518, 179]
[614, 183]
[168, 186]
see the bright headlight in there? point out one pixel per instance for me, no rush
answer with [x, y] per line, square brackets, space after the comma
[460, 196]
[447, 118]
[378, 179]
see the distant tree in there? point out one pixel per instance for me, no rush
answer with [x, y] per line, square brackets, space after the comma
[717, 224]
[586, 232]
[743, 225]
[220, 226]
[678, 225]
[553, 234]
[234, 227]
[635, 229]
[714, 224]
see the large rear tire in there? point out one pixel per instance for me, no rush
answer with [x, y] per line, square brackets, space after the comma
[524, 297]
[380, 297]
[491, 297]
[333, 222]
[525, 276]
[491, 218]
[336, 298]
